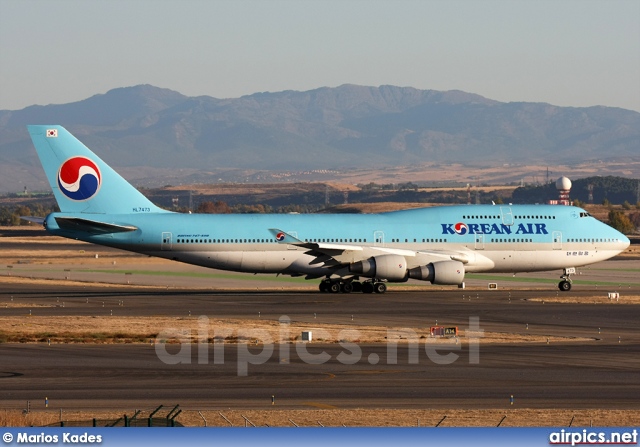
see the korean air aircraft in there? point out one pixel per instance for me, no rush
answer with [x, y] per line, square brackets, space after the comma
[359, 252]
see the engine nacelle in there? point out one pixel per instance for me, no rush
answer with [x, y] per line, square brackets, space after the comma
[390, 267]
[440, 272]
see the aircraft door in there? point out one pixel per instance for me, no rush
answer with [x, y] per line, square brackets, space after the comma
[479, 239]
[166, 241]
[378, 238]
[507, 215]
[557, 240]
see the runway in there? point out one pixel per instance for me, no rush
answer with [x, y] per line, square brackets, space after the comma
[602, 372]
[601, 376]
[503, 310]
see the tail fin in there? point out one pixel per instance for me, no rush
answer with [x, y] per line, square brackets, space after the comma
[81, 181]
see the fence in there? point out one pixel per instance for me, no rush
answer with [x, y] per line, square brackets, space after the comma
[153, 419]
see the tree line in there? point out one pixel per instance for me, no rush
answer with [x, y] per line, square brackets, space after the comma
[609, 188]
[10, 215]
[622, 220]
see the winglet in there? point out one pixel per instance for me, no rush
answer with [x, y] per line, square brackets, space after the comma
[282, 237]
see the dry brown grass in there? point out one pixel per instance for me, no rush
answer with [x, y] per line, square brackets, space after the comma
[66, 283]
[116, 329]
[39, 418]
[83, 256]
[378, 207]
[313, 417]
[424, 417]
[16, 418]
[624, 299]
[494, 174]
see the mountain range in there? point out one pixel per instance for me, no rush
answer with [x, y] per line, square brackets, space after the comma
[346, 127]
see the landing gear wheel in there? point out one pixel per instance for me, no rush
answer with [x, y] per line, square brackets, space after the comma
[346, 287]
[564, 286]
[324, 285]
[380, 287]
[367, 287]
[357, 286]
[334, 287]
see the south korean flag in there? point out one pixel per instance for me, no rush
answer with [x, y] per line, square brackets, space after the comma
[52, 133]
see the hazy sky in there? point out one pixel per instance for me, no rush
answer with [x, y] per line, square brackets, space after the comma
[565, 52]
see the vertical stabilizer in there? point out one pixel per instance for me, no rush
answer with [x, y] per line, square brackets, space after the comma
[81, 181]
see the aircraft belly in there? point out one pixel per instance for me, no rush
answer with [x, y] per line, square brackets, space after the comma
[245, 261]
[543, 259]
[258, 261]
[282, 261]
[510, 261]
[289, 261]
[479, 262]
[227, 260]
[223, 260]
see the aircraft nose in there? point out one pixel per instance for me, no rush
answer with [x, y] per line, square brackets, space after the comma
[624, 242]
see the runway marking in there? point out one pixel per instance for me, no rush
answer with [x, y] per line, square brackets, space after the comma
[321, 406]
[376, 371]
[614, 270]
[584, 282]
[195, 275]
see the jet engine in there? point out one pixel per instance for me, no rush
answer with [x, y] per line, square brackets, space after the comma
[440, 272]
[389, 267]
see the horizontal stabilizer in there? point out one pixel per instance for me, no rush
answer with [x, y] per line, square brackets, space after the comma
[91, 226]
[34, 219]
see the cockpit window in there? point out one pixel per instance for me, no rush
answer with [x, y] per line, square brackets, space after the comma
[584, 214]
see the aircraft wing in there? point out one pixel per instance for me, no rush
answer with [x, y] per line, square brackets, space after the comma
[285, 238]
[332, 254]
[446, 255]
[327, 253]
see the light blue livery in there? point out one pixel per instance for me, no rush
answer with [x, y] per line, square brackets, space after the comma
[358, 252]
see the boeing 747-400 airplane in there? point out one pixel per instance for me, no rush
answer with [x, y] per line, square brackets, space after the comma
[358, 252]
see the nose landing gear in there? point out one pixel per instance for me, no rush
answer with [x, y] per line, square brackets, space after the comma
[565, 284]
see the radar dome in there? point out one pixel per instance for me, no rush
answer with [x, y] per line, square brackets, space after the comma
[563, 183]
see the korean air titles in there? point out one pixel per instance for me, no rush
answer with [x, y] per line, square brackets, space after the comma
[461, 228]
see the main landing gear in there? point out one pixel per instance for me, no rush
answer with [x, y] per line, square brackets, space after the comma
[337, 286]
[565, 284]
